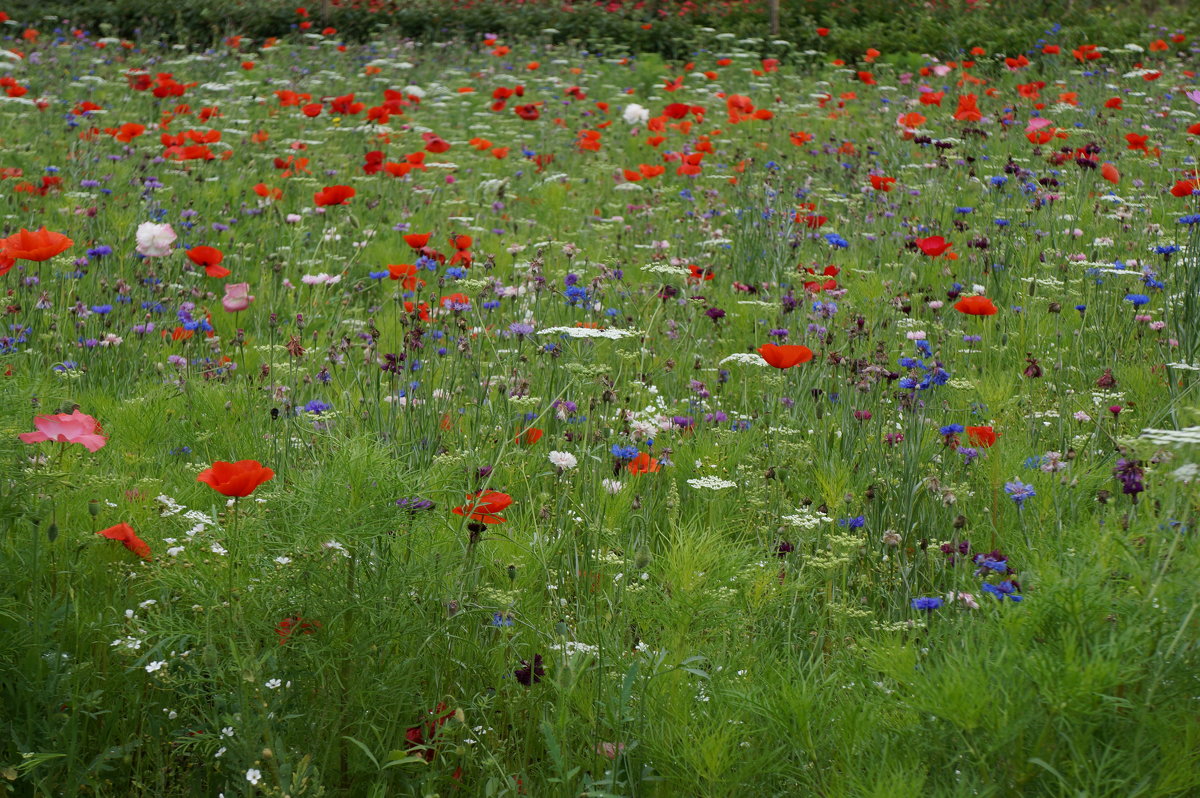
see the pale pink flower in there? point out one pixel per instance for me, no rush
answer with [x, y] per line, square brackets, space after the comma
[237, 297]
[63, 428]
[155, 240]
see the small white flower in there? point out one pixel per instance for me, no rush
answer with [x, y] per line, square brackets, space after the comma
[564, 460]
[273, 684]
[254, 776]
[283, 559]
[154, 666]
[227, 731]
[613, 486]
[220, 752]
[635, 114]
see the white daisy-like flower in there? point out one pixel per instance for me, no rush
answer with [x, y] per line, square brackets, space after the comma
[254, 776]
[564, 460]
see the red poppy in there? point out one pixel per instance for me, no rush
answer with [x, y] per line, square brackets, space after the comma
[238, 479]
[933, 245]
[334, 195]
[408, 273]
[784, 356]
[976, 306]
[485, 506]
[1183, 188]
[881, 183]
[1110, 173]
[643, 464]
[210, 258]
[295, 624]
[530, 436]
[124, 533]
[528, 112]
[981, 436]
[38, 246]
[416, 240]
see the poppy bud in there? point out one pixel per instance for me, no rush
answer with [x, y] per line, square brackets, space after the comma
[93, 508]
[452, 608]
[267, 753]
[769, 474]
[52, 532]
[960, 522]
[512, 573]
[870, 492]
[1055, 307]
[637, 503]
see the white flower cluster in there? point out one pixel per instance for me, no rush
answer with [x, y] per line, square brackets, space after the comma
[806, 518]
[589, 332]
[745, 358]
[711, 483]
[1171, 437]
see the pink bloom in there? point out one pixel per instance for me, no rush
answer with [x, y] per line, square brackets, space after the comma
[1037, 123]
[237, 297]
[74, 428]
[1193, 95]
[155, 240]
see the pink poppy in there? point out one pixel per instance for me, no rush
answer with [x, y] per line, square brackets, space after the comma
[63, 428]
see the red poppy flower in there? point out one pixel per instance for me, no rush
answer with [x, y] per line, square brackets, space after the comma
[530, 436]
[981, 436]
[528, 112]
[881, 183]
[124, 534]
[933, 245]
[643, 464]
[408, 273]
[334, 195]
[210, 258]
[485, 506]
[416, 240]
[976, 306]
[295, 624]
[238, 479]
[784, 356]
[38, 246]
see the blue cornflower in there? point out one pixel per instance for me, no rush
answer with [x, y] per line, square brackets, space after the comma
[998, 180]
[927, 603]
[964, 210]
[1190, 219]
[624, 452]
[1137, 299]
[378, 275]
[836, 241]
[950, 429]
[854, 522]
[316, 407]
[1019, 491]
[1169, 249]
[502, 619]
[1003, 589]
[102, 309]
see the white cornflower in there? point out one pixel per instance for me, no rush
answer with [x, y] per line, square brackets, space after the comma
[564, 460]
[635, 114]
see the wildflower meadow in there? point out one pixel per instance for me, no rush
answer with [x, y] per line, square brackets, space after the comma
[500, 416]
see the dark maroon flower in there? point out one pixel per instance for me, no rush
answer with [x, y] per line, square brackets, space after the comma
[530, 674]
